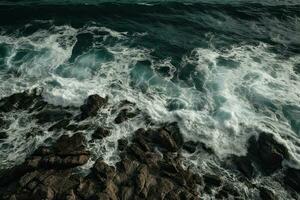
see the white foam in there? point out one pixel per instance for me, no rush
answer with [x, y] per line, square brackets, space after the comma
[222, 115]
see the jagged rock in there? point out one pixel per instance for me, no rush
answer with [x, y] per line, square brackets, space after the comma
[212, 180]
[52, 115]
[267, 152]
[87, 189]
[103, 171]
[166, 141]
[127, 193]
[190, 146]
[292, 178]
[69, 196]
[73, 145]
[20, 101]
[3, 135]
[67, 152]
[124, 115]
[244, 165]
[227, 190]
[100, 133]
[91, 106]
[43, 192]
[60, 125]
[122, 144]
[266, 194]
[142, 173]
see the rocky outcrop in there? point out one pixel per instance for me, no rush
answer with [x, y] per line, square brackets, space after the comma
[91, 106]
[264, 154]
[142, 173]
[150, 165]
[100, 133]
[27, 100]
[292, 179]
[67, 152]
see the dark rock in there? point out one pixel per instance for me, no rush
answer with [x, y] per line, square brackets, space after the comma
[266, 194]
[77, 127]
[244, 165]
[100, 133]
[43, 192]
[103, 171]
[3, 123]
[87, 189]
[212, 180]
[91, 106]
[3, 135]
[174, 131]
[292, 178]
[142, 173]
[69, 196]
[127, 193]
[67, 152]
[73, 145]
[190, 146]
[60, 125]
[267, 152]
[122, 144]
[228, 190]
[18, 101]
[9, 175]
[124, 115]
[50, 115]
[166, 141]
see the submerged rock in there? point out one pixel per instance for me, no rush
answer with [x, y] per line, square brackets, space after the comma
[124, 115]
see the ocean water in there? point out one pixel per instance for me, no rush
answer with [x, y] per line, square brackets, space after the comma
[224, 70]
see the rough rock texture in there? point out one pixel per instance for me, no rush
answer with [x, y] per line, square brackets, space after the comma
[92, 104]
[142, 173]
[264, 154]
[292, 179]
[150, 165]
[100, 133]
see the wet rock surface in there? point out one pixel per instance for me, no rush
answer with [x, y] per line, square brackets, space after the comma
[92, 104]
[151, 162]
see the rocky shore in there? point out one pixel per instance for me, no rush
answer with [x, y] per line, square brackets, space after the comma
[150, 165]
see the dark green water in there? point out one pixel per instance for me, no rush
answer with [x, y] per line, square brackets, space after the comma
[222, 69]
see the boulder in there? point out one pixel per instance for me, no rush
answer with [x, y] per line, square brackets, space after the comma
[122, 144]
[292, 178]
[43, 192]
[74, 145]
[62, 124]
[52, 115]
[3, 135]
[244, 165]
[266, 194]
[100, 133]
[124, 115]
[20, 101]
[103, 171]
[212, 180]
[267, 152]
[91, 106]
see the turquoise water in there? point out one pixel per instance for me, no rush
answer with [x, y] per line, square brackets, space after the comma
[224, 70]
